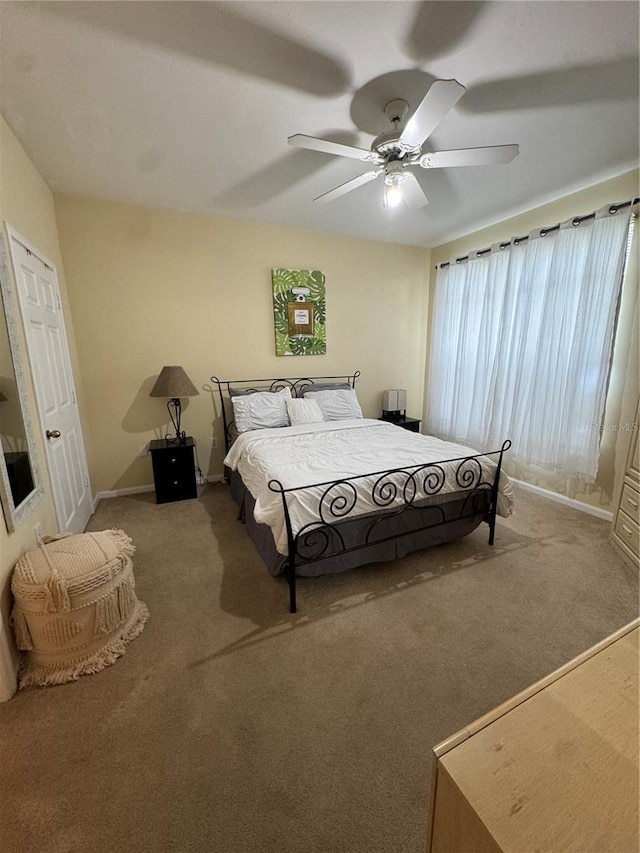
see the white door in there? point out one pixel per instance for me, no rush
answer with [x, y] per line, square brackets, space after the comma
[39, 299]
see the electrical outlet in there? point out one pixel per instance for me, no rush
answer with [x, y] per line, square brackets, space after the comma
[214, 443]
[37, 532]
[143, 450]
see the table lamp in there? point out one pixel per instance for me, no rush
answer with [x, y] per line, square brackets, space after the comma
[394, 404]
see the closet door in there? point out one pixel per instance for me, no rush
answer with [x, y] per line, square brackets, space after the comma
[37, 285]
[625, 535]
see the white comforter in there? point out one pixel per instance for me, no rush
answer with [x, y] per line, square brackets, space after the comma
[308, 454]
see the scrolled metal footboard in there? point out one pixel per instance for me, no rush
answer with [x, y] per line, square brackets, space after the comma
[394, 491]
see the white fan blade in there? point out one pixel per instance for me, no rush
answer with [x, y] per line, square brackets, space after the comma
[350, 185]
[440, 98]
[489, 156]
[412, 192]
[299, 140]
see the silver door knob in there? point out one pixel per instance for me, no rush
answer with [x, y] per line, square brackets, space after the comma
[53, 433]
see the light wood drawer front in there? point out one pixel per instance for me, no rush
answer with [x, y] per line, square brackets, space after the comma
[630, 501]
[627, 531]
[554, 769]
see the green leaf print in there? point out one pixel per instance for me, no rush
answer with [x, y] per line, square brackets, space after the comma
[316, 285]
[283, 282]
[282, 343]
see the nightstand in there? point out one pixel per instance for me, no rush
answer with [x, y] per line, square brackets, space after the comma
[412, 424]
[174, 472]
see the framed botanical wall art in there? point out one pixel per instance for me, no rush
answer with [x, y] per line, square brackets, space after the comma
[299, 311]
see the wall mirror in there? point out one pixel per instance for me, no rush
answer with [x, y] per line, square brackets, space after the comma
[20, 481]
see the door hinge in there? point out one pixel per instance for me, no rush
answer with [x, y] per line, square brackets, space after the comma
[86, 481]
[73, 395]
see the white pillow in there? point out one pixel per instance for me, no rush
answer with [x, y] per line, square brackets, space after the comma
[336, 405]
[261, 410]
[303, 411]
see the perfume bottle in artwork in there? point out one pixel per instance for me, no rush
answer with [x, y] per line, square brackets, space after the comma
[300, 314]
[299, 311]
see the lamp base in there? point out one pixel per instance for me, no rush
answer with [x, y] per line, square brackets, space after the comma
[395, 415]
[176, 439]
[174, 407]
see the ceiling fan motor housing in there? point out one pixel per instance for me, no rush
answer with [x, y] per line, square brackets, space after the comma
[387, 144]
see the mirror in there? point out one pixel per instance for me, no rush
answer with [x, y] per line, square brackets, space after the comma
[20, 482]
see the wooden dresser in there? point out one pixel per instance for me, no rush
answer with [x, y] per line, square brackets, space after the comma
[625, 533]
[555, 769]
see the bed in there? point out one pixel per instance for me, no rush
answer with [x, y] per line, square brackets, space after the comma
[322, 489]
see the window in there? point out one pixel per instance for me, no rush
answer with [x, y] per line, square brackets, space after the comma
[521, 343]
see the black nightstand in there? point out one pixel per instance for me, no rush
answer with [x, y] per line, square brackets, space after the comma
[412, 424]
[174, 472]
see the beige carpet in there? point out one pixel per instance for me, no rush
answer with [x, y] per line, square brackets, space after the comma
[231, 725]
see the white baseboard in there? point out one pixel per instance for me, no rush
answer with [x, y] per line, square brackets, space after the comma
[606, 514]
[135, 490]
[117, 493]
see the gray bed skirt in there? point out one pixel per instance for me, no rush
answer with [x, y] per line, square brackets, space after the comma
[401, 533]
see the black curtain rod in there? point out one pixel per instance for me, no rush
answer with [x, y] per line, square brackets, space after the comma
[613, 208]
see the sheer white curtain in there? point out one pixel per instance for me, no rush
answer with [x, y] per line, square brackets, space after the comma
[521, 341]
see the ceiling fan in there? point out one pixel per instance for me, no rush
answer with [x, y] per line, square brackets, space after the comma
[396, 152]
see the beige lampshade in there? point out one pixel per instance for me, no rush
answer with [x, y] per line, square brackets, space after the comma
[173, 382]
[394, 400]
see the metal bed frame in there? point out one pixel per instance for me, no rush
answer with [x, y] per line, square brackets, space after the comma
[395, 491]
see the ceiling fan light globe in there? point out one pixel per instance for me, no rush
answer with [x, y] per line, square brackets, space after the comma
[392, 194]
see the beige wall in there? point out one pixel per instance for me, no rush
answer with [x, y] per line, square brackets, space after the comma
[623, 388]
[26, 203]
[150, 287]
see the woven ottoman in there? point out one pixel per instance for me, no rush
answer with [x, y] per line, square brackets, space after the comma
[75, 607]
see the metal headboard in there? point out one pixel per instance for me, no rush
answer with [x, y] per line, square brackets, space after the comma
[297, 384]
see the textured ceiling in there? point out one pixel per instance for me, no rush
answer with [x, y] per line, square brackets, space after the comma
[188, 106]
